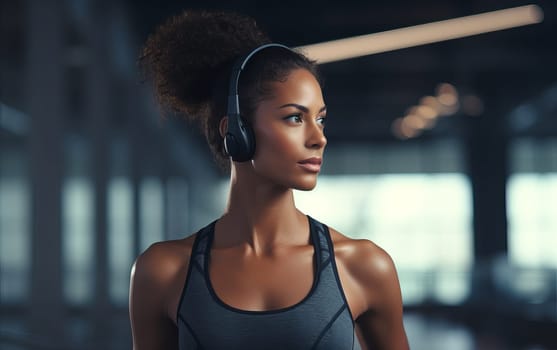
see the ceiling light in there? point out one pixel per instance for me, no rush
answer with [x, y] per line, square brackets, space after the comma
[357, 46]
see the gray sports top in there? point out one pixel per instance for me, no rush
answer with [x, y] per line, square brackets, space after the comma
[322, 320]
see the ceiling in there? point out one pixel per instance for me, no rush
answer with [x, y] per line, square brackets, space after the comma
[503, 69]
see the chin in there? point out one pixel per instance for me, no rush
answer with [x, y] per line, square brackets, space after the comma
[301, 183]
[306, 186]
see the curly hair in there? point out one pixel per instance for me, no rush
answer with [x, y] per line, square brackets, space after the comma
[189, 60]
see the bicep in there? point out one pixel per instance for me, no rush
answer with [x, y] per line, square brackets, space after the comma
[382, 329]
[151, 327]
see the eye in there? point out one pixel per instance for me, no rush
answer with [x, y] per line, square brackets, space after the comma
[322, 119]
[296, 118]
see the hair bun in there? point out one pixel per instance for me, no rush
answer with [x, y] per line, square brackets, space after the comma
[184, 55]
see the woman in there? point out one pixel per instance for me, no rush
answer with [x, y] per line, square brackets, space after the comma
[263, 275]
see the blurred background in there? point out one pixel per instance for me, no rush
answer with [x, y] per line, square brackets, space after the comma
[444, 154]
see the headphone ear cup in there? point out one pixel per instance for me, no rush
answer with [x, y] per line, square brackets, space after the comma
[239, 142]
[249, 141]
[240, 145]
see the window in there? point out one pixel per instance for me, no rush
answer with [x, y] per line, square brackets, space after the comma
[422, 220]
[15, 250]
[533, 219]
[78, 240]
[120, 238]
[531, 209]
[151, 212]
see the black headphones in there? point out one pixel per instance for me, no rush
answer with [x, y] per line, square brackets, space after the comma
[239, 141]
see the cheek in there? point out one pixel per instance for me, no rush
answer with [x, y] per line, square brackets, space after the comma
[276, 142]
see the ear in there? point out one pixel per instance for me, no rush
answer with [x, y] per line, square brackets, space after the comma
[223, 126]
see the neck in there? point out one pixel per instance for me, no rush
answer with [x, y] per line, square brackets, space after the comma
[259, 217]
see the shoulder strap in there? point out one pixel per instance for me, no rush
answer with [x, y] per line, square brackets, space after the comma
[200, 246]
[321, 231]
[197, 259]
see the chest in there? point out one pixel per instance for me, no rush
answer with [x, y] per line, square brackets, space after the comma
[264, 303]
[258, 284]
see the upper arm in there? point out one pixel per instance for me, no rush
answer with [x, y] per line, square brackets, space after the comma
[152, 276]
[381, 325]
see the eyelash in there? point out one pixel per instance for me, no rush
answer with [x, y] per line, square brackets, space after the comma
[299, 118]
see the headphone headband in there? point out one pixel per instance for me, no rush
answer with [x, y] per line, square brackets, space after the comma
[235, 76]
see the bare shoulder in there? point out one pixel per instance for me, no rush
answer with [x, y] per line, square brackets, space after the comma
[376, 292]
[159, 273]
[370, 265]
[162, 259]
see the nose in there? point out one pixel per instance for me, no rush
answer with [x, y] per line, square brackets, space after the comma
[315, 136]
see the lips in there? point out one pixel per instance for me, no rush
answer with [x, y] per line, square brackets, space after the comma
[312, 164]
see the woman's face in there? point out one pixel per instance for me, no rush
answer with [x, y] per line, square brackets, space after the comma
[289, 135]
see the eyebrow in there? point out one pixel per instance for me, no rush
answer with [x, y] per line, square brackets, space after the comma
[302, 108]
